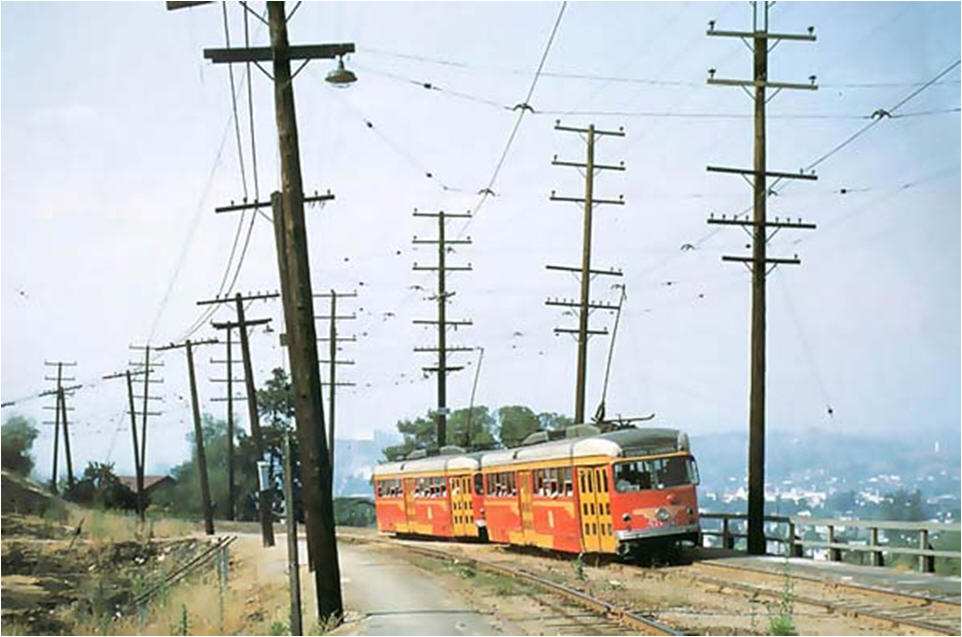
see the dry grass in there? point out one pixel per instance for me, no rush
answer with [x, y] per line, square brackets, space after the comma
[110, 526]
[255, 602]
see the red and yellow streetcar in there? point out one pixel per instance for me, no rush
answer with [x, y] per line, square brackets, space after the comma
[623, 491]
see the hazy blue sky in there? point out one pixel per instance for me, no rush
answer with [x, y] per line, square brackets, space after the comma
[118, 142]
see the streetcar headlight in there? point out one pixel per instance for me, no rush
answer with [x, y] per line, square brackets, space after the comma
[662, 514]
[626, 517]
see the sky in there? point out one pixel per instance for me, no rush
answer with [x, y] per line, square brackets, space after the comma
[119, 139]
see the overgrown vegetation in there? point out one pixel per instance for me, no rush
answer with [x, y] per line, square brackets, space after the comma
[781, 619]
[17, 436]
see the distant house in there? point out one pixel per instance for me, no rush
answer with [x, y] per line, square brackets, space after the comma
[151, 483]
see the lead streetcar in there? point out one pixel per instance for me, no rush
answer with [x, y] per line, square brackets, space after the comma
[628, 491]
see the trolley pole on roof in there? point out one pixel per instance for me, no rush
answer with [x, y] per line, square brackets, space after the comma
[585, 272]
[442, 368]
[759, 263]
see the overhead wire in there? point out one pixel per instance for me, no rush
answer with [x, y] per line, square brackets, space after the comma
[485, 193]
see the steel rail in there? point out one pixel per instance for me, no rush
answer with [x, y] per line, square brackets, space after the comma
[833, 606]
[927, 600]
[631, 619]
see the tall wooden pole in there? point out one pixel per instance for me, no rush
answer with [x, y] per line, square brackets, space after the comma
[333, 379]
[62, 406]
[230, 429]
[133, 434]
[264, 497]
[761, 263]
[756, 418]
[442, 337]
[143, 428]
[56, 430]
[199, 436]
[302, 337]
[293, 565]
[582, 371]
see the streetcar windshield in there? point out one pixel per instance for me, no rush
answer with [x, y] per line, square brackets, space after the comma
[660, 473]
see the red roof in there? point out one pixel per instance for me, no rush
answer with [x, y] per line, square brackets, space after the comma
[149, 482]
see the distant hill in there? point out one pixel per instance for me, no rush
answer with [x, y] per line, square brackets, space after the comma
[829, 458]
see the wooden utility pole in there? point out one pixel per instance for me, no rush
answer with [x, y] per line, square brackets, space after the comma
[128, 375]
[586, 273]
[759, 263]
[60, 410]
[198, 430]
[242, 324]
[296, 293]
[293, 564]
[442, 268]
[229, 399]
[333, 362]
[147, 367]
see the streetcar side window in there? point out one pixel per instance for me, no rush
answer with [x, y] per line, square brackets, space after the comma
[569, 486]
[478, 484]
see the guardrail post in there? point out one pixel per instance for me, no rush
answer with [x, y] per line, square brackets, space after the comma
[727, 540]
[834, 554]
[877, 558]
[926, 562]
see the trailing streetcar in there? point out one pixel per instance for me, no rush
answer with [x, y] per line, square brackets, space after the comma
[627, 491]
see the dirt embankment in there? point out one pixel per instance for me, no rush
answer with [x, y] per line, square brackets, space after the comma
[62, 565]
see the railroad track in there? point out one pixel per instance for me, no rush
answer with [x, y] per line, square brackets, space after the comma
[603, 617]
[931, 614]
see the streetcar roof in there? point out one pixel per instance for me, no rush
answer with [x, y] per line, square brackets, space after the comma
[621, 443]
[431, 463]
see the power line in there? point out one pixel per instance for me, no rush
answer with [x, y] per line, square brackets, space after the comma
[517, 124]
[648, 81]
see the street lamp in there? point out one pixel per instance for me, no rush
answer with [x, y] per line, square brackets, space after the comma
[340, 76]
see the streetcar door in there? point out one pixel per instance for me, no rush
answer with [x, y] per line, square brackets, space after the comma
[606, 538]
[587, 484]
[461, 513]
[527, 513]
[409, 503]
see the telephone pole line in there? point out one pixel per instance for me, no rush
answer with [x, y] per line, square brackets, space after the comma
[589, 167]
[60, 411]
[442, 368]
[265, 499]
[333, 362]
[147, 367]
[229, 399]
[291, 237]
[189, 345]
[132, 410]
[760, 265]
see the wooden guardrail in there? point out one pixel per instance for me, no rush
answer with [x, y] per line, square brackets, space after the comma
[795, 543]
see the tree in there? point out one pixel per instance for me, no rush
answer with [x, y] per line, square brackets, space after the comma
[16, 440]
[420, 433]
[472, 429]
[904, 506]
[100, 486]
[551, 421]
[516, 423]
